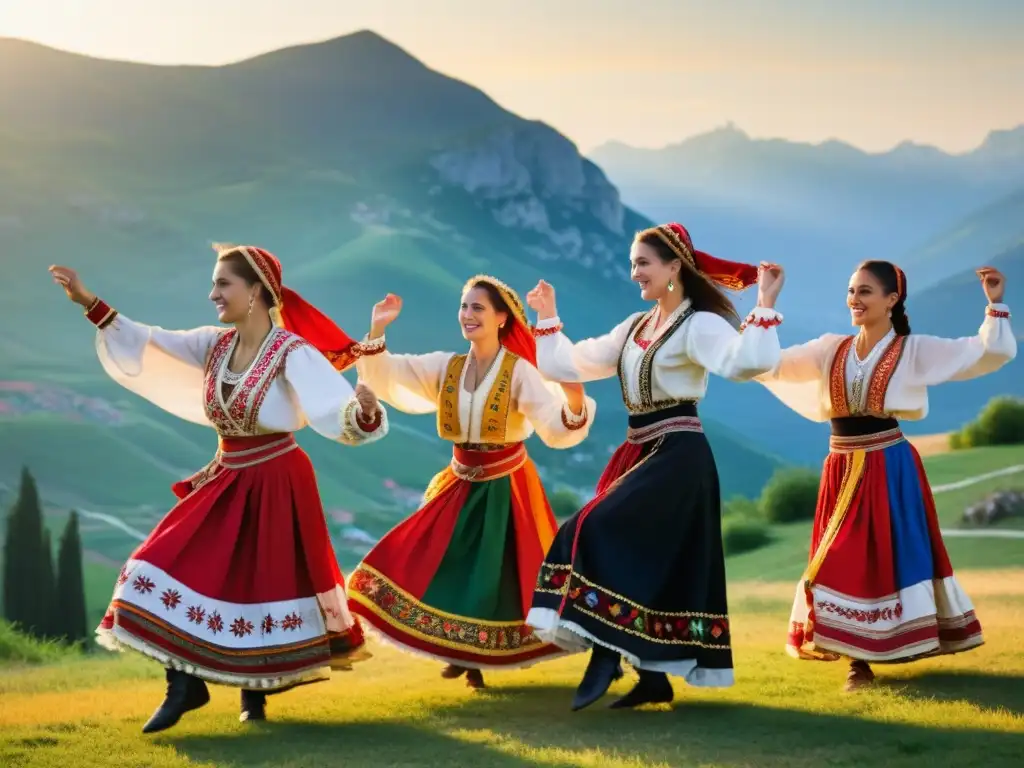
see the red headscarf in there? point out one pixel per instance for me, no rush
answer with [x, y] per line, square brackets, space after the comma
[295, 314]
[728, 274]
[519, 338]
[901, 283]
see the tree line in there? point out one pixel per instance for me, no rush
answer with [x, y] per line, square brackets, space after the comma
[38, 599]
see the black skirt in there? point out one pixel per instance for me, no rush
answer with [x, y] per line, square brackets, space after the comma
[640, 569]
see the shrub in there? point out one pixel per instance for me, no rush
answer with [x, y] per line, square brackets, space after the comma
[1001, 422]
[791, 494]
[741, 507]
[741, 534]
[564, 503]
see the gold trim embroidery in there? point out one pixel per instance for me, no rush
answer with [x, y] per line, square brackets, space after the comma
[837, 380]
[645, 377]
[882, 375]
[497, 410]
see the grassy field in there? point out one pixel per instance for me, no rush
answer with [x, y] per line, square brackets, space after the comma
[394, 710]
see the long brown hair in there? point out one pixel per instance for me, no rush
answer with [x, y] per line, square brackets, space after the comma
[703, 294]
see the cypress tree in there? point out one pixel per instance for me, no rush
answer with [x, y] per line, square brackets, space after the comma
[70, 614]
[46, 589]
[28, 585]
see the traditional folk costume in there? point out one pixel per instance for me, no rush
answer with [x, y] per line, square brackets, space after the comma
[879, 586]
[640, 570]
[239, 584]
[453, 581]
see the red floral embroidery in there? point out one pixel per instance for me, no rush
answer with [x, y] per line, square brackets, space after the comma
[541, 332]
[240, 627]
[864, 617]
[268, 624]
[195, 614]
[215, 623]
[291, 622]
[143, 584]
[123, 576]
[170, 598]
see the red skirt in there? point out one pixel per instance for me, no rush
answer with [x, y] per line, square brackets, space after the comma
[879, 585]
[453, 581]
[239, 584]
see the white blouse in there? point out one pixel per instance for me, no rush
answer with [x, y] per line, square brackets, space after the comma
[803, 379]
[288, 386]
[669, 366]
[412, 383]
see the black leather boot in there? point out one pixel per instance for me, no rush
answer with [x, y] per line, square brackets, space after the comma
[653, 688]
[184, 693]
[598, 678]
[254, 706]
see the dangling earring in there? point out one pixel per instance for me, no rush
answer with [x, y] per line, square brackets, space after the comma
[671, 285]
[252, 299]
[889, 313]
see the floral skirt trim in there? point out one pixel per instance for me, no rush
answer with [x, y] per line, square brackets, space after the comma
[416, 627]
[927, 619]
[685, 628]
[123, 631]
[573, 638]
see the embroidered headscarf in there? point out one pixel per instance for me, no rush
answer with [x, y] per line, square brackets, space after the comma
[733, 275]
[293, 313]
[519, 338]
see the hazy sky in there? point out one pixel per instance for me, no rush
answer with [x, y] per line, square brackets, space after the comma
[647, 72]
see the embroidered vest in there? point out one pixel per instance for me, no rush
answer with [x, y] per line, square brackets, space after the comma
[237, 413]
[647, 402]
[498, 414]
[874, 402]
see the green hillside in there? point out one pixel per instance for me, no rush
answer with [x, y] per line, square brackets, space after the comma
[364, 170]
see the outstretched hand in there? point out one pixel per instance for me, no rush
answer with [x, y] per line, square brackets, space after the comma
[68, 279]
[385, 312]
[993, 283]
[368, 402]
[770, 279]
[542, 300]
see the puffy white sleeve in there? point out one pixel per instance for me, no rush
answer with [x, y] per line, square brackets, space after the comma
[797, 377]
[410, 383]
[717, 347]
[589, 360]
[933, 360]
[164, 367]
[327, 401]
[546, 407]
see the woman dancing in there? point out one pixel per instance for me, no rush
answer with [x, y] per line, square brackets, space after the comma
[639, 572]
[238, 584]
[453, 581]
[879, 586]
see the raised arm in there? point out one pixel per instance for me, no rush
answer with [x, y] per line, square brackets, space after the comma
[330, 405]
[546, 406]
[411, 383]
[934, 360]
[164, 367]
[716, 346]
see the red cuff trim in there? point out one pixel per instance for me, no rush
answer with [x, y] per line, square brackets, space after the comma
[100, 314]
[761, 322]
[1000, 313]
[540, 332]
[368, 426]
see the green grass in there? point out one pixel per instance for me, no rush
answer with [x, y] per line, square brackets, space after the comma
[17, 649]
[394, 710]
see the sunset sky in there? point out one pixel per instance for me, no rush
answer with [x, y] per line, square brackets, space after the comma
[648, 73]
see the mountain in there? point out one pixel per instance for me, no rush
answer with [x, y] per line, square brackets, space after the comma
[953, 308]
[994, 229]
[818, 209]
[364, 170]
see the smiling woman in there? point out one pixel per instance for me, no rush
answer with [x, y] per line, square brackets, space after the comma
[453, 581]
[238, 584]
[879, 586]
